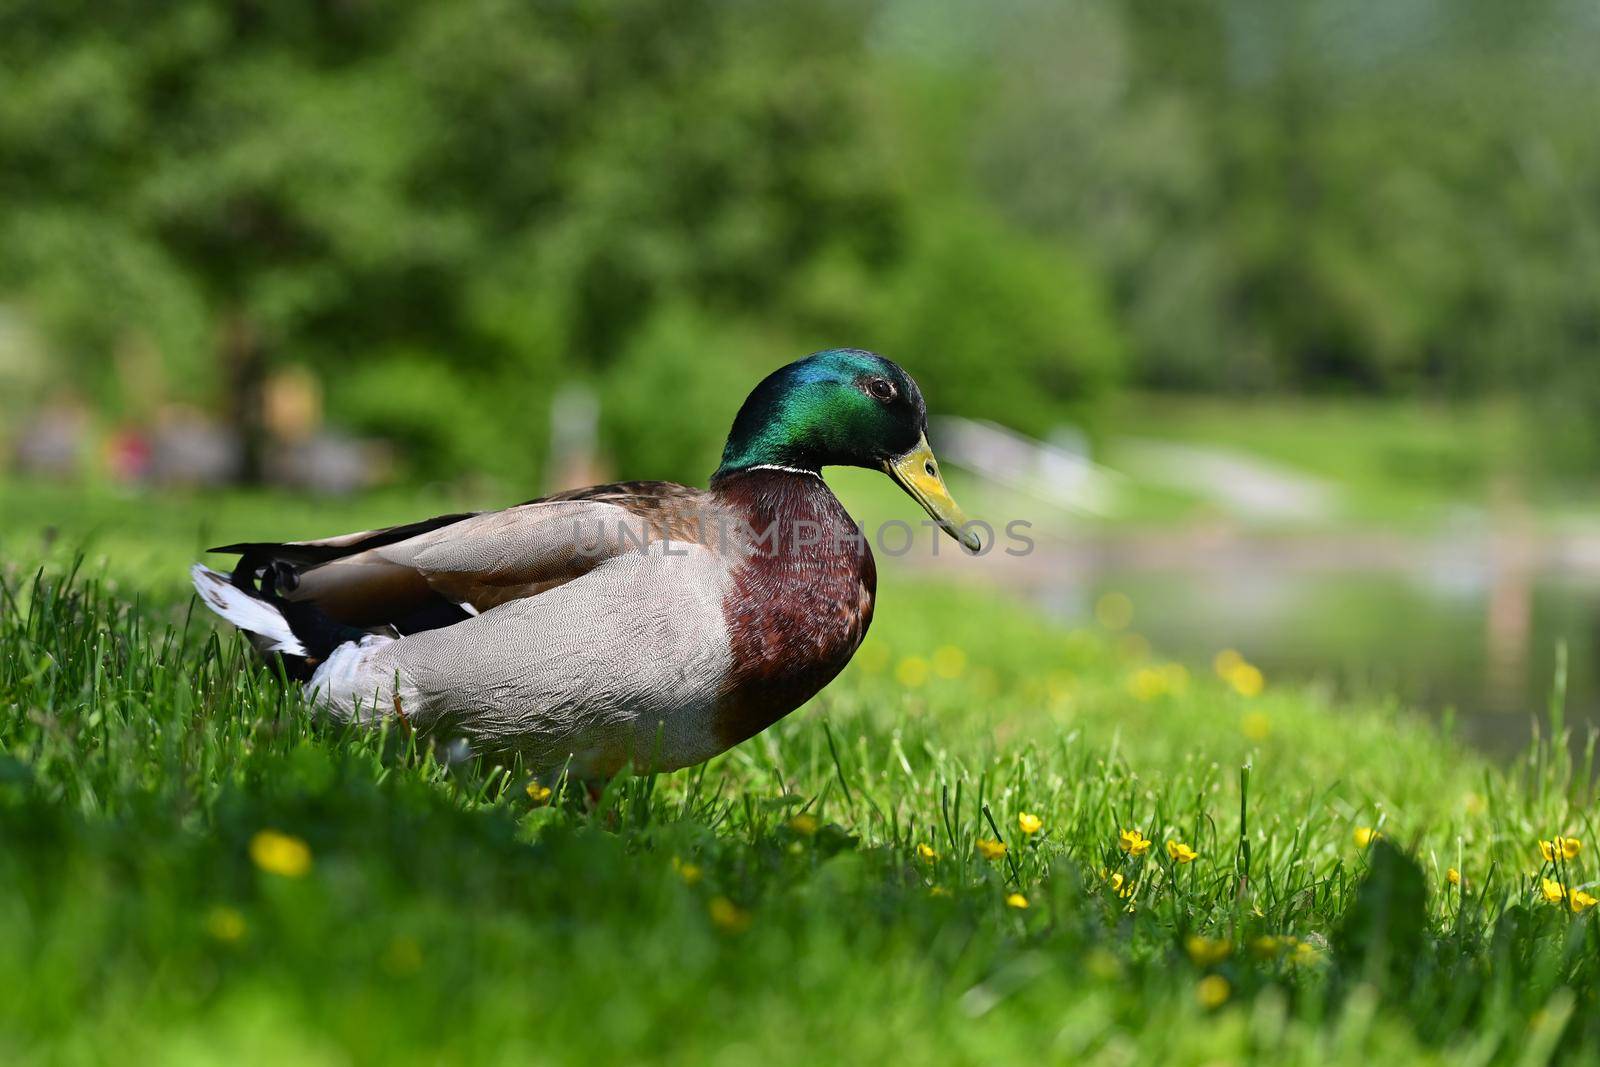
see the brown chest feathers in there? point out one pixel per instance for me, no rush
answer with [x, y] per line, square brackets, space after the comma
[801, 600]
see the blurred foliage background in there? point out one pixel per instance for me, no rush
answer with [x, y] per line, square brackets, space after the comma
[438, 215]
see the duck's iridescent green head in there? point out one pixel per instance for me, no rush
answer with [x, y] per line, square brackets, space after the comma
[844, 407]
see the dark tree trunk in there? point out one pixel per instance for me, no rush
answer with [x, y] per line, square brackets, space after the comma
[246, 364]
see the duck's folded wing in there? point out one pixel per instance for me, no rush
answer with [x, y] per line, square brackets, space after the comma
[437, 572]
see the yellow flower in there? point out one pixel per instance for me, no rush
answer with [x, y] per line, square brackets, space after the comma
[1017, 900]
[925, 851]
[938, 891]
[1207, 951]
[729, 916]
[804, 824]
[912, 672]
[1114, 611]
[1267, 946]
[1147, 684]
[1366, 835]
[1119, 885]
[949, 661]
[280, 854]
[1256, 726]
[1133, 842]
[226, 924]
[1029, 823]
[1212, 991]
[1555, 893]
[689, 872]
[1181, 853]
[1247, 680]
[1305, 954]
[1453, 876]
[538, 793]
[1566, 848]
[991, 849]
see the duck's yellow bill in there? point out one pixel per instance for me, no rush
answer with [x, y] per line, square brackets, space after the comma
[918, 474]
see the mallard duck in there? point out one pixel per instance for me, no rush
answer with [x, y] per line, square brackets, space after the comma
[642, 623]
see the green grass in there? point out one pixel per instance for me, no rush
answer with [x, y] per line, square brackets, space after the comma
[689, 918]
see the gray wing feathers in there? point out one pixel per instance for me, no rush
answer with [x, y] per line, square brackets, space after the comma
[481, 561]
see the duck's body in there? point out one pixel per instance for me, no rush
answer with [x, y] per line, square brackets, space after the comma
[645, 622]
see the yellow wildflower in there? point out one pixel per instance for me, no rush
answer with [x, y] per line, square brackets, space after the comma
[689, 872]
[729, 916]
[949, 661]
[912, 672]
[938, 891]
[925, 851]
[1577, 899]
[1133, 842]
[1453, 876]
[1029, 823]
[1247, 680]
[537, 792]
[1119, 885]
[1566, 848]
[281, 854]
[1017, 900]
[1365, 836]
[804, 824]
[226, 924]
[1267, 946]
[1305, 953]
[1212, 991]
[1180, 852]
[1207, 951]
[1147, 684]
[991, 849]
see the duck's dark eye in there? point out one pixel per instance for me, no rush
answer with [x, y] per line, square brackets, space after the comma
[881, 389]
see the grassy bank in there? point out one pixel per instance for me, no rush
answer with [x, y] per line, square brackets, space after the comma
[194, 869]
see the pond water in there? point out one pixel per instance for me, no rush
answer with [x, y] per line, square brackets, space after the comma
[1467, 629]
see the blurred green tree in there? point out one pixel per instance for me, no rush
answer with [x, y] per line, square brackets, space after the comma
[506, 190]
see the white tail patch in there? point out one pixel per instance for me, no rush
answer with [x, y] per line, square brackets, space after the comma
[347, 685]
[255, 617]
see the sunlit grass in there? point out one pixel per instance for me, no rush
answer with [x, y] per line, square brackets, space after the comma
[1038, 844]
